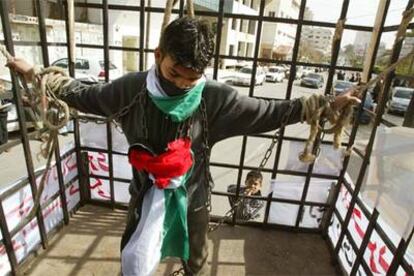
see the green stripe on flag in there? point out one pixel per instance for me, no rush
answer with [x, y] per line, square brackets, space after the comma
[175, 234]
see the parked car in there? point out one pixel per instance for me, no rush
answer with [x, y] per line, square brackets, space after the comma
[312, 80]
[400, 99]
[244, 75]
[90, 67]
[341, 86]
[223, 76]
[275, 74]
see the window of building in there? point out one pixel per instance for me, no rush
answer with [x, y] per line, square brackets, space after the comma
[241, 25]
[234, 24]
[231, 50]
[281, 14]
[252, 27]
[272, 14]
[239, 48]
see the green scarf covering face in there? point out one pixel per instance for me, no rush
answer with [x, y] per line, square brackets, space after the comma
[180, 107]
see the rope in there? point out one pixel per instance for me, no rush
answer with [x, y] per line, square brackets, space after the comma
[53, 112]
[339, 30]
[406, 19]
[168, 10]
[317, 107]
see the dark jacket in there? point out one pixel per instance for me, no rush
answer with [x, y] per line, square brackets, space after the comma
[228, 114]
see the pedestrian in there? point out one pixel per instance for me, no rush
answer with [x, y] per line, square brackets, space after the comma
[171, 129]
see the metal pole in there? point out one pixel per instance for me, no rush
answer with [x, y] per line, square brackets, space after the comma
[141, 35]
[70, 39]
[218, 38]
[22, 119]
[110, 163]
[7, 239]
[105, 38]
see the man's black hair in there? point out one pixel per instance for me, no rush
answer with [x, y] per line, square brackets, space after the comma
[189, 42]
[254, 175]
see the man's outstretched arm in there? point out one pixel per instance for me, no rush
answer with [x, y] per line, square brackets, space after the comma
[99, 99]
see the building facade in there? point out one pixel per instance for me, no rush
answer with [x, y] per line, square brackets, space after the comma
[319, 39]
[277, 38]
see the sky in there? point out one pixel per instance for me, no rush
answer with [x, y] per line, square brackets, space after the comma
[360, 12]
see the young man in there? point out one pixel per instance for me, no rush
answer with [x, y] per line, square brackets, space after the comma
[249, 208]
[172, 127]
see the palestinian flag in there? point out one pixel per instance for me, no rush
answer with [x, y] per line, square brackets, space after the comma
[162, 229]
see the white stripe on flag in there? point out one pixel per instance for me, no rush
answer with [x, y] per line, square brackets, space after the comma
[142, 253]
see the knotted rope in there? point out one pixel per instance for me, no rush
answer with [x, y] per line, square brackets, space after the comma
[317, 107]
[53, 112]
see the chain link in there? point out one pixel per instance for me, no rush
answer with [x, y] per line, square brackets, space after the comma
[178, 272]
[206, 152]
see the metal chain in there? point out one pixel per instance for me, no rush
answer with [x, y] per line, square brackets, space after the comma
[139, 98]
[206, 151]
[178, 272]
[229, 214]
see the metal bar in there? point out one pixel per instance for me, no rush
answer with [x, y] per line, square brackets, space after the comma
[375, 40]
[380, 110]
[81, 174]
[240, 173]
[105, 38]
[62, 189]
[141, 35]
[399, 254]
[117, 179]
[17, 95]
[273, 226]
[218, 38]
[42, 32]
[275, 199]
[257, 46]
[181, 9]
[110, 162]
[335, 51]
[69, 40]
[83, 148]
[5, 232]
[87, 185]
[365, 241]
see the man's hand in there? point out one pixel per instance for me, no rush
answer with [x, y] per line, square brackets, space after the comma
[23, 67]
[346, 98]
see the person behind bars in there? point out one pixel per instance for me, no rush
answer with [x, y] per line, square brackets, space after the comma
[249, 207]
[177, 116]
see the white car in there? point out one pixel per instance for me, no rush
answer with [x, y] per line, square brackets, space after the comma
[91, 67]
[223, 76]
[400, 99]
[244, 75]
[275, 74]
